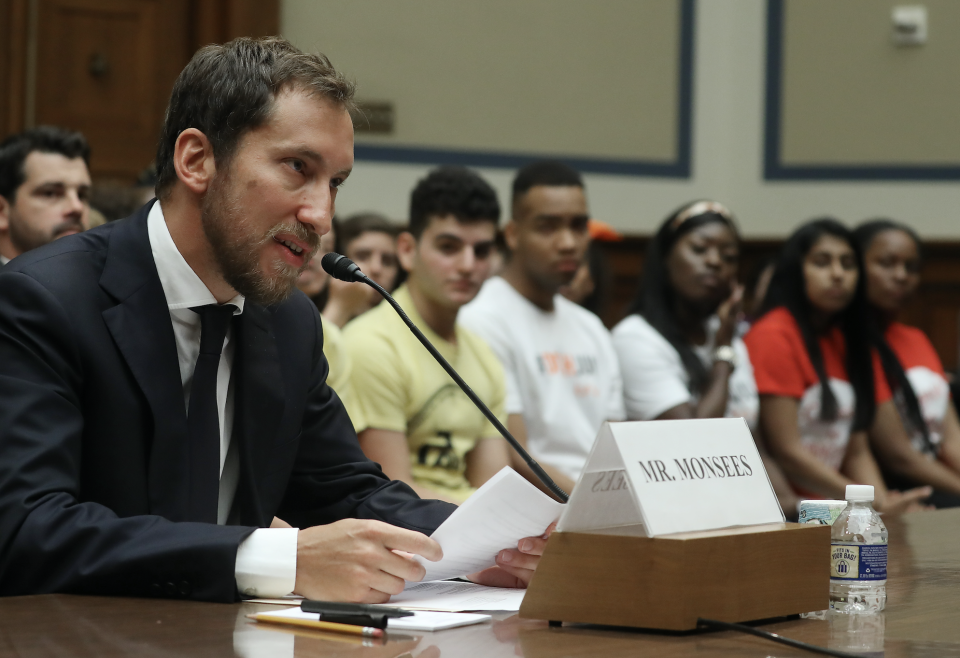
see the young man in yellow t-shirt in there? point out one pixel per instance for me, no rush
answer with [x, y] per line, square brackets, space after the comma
[419, 426]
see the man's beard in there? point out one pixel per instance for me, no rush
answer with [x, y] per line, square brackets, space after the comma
[238, 248]
[26, 238]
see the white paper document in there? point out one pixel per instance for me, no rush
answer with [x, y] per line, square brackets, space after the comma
[503, 511]
[422, 620]
[447, 596]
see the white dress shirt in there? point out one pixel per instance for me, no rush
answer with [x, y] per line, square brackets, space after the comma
[267, 559]
[3, 261]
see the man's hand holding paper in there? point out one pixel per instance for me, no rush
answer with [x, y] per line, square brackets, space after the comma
[479, 538]
[497, 536]
[515, 567]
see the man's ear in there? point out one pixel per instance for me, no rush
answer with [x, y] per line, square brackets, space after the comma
[193, 160]
[510, 235]
[406, 250]
[5, 210]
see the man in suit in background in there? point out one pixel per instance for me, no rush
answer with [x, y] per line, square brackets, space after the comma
[163, 395]
[44, 188]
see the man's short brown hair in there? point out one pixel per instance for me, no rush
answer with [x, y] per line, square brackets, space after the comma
[227, 90]
[43, 139]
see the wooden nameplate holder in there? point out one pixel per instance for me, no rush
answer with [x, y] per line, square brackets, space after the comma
[672, 520]
[618, 577]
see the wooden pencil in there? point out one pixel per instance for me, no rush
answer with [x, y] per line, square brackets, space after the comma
[349, 629]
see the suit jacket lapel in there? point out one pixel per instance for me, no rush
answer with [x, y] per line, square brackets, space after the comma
[259, 402]
[141, 327]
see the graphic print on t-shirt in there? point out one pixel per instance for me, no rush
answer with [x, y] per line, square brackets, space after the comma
[571, 365]
[827, 439]
[783, 368]
[436, 448]
[403, 389]
[933, 394]
[438, 452]
[925, 373]
[563, 397]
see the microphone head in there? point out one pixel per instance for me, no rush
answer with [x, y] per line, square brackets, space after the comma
[340, 267]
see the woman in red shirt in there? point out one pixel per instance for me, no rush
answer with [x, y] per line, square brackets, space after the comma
[818, 380]
[917, 440]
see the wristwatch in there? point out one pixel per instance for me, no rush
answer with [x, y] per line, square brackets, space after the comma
[726, 354]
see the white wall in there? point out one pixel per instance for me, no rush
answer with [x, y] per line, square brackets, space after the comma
[508, 76]
[727, 153]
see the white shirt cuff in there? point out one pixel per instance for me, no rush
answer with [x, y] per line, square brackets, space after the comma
[267, 563]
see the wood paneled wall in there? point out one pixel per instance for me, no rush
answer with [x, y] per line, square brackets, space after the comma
[219, 21]
[13, 63]
[106, 67]
[935, 308]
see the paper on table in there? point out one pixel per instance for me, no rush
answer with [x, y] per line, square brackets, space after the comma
[422, 620]
[447, 596]
[289, 599]
[503, 511]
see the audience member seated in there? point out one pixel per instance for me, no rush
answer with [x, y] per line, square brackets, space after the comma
[95, 218]
[928, 450]
[756, 290]
[678, 349]
[818, 379]
[116, 201]
[370, 241]
[582, 285]
[314, 282]
[44, 188]
[563, 380]
[592, 284]
[420, 427]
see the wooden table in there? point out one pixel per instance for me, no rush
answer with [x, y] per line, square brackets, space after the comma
[922, 619]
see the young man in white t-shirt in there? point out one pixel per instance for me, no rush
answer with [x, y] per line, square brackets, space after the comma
[562, 375]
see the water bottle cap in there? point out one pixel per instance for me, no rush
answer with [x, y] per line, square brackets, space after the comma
[859, 493]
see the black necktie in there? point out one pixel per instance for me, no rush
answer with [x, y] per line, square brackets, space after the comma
[203, 416]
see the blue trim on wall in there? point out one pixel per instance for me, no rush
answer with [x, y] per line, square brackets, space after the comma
[625, 167]
[774, 169]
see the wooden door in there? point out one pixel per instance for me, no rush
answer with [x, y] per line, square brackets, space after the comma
[14, 21]
[106, 67]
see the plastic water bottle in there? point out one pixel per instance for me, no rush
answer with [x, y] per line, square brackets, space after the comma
[858, 556]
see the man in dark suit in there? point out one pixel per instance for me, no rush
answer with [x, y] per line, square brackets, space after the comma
[162, 394]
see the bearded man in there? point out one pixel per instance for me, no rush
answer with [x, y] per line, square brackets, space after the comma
[163, 396]
[44, 188]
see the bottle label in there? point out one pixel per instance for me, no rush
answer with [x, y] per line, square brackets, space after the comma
[858, 562]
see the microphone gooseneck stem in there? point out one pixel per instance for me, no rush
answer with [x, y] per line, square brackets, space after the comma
[531, 462]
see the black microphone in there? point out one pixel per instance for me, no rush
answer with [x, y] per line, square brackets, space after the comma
[341, 267]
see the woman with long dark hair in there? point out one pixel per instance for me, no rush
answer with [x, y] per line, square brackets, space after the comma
[680, 356]
[817, 376]
[917, 439]
[678, 350]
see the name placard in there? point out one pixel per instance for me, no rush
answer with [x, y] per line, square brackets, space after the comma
[673, 476]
